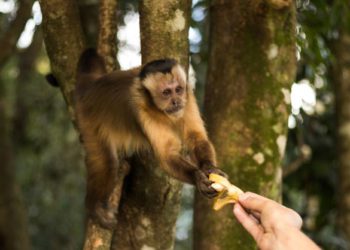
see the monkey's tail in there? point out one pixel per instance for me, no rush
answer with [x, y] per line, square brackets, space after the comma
[90, 64]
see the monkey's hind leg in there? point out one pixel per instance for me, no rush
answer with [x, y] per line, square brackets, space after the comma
[105, 174]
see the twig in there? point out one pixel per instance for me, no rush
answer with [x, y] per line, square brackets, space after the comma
[305, 155]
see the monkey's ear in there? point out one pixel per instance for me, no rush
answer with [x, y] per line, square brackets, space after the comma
[51, 79]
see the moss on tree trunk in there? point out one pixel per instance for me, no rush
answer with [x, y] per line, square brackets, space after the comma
[251, 68]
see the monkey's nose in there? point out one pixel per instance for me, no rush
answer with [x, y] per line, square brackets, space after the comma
[175, 103]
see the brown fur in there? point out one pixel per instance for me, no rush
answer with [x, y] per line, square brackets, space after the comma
[119, 115]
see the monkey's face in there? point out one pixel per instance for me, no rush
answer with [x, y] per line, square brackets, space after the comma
[168, 91]
[171, 97]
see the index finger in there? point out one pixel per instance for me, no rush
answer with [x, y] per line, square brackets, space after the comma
[249, 223]
[254, 202]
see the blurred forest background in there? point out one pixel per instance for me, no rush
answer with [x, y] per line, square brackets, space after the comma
[42, 171]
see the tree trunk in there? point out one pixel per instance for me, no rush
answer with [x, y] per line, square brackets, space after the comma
[251, 68]
[14, 233]
[62, 17]
[13, 221]
[106, 44]
[342, 94]
[64, 42]
[150, 205]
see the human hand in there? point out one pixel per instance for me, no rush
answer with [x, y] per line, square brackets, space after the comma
[272, 225]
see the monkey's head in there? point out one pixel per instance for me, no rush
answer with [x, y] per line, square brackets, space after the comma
[166, 82]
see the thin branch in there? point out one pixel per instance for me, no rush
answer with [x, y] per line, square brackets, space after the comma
[106, 44]
[9, 39]
[304, 156]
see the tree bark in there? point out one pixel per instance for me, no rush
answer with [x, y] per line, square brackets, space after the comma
[106, 45]
[251, 68]
[64, 42]
[62, 17]
[150, 205]
[164, 30]
[342, 93]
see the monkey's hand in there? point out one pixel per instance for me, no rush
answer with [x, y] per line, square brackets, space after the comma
[210, 169]
[228, 193]
[204, 184]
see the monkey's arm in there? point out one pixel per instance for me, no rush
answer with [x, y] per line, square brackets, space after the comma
[196, 137]
[200, 148]
[167, 148]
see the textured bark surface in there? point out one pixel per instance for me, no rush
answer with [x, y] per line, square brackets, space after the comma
[62, 17]
[164, 29]
[9, 38]
[106, 45]
[148, 213]
[97, 238]
[251, 68]
[64, 43]
[342, 93]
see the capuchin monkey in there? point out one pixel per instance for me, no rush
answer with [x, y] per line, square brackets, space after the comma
[149, 108]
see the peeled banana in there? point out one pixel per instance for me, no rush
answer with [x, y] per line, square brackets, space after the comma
[228, 193]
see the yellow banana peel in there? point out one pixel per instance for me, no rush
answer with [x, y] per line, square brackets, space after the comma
[228, 193]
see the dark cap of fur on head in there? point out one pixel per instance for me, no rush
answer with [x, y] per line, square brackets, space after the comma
[163, 65]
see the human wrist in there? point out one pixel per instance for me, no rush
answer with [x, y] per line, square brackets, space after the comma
[294, 238]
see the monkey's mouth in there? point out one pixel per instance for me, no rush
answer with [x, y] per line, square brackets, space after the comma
[174, 109]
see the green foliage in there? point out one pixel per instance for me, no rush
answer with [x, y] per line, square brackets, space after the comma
[310, 190]
[48, 162]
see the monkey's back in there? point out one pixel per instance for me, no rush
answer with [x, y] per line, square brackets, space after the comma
[105, 111]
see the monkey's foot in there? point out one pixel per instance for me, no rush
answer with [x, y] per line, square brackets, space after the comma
[105, 216]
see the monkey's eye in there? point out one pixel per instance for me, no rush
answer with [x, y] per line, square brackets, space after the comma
[166, 92]
[179, 90]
